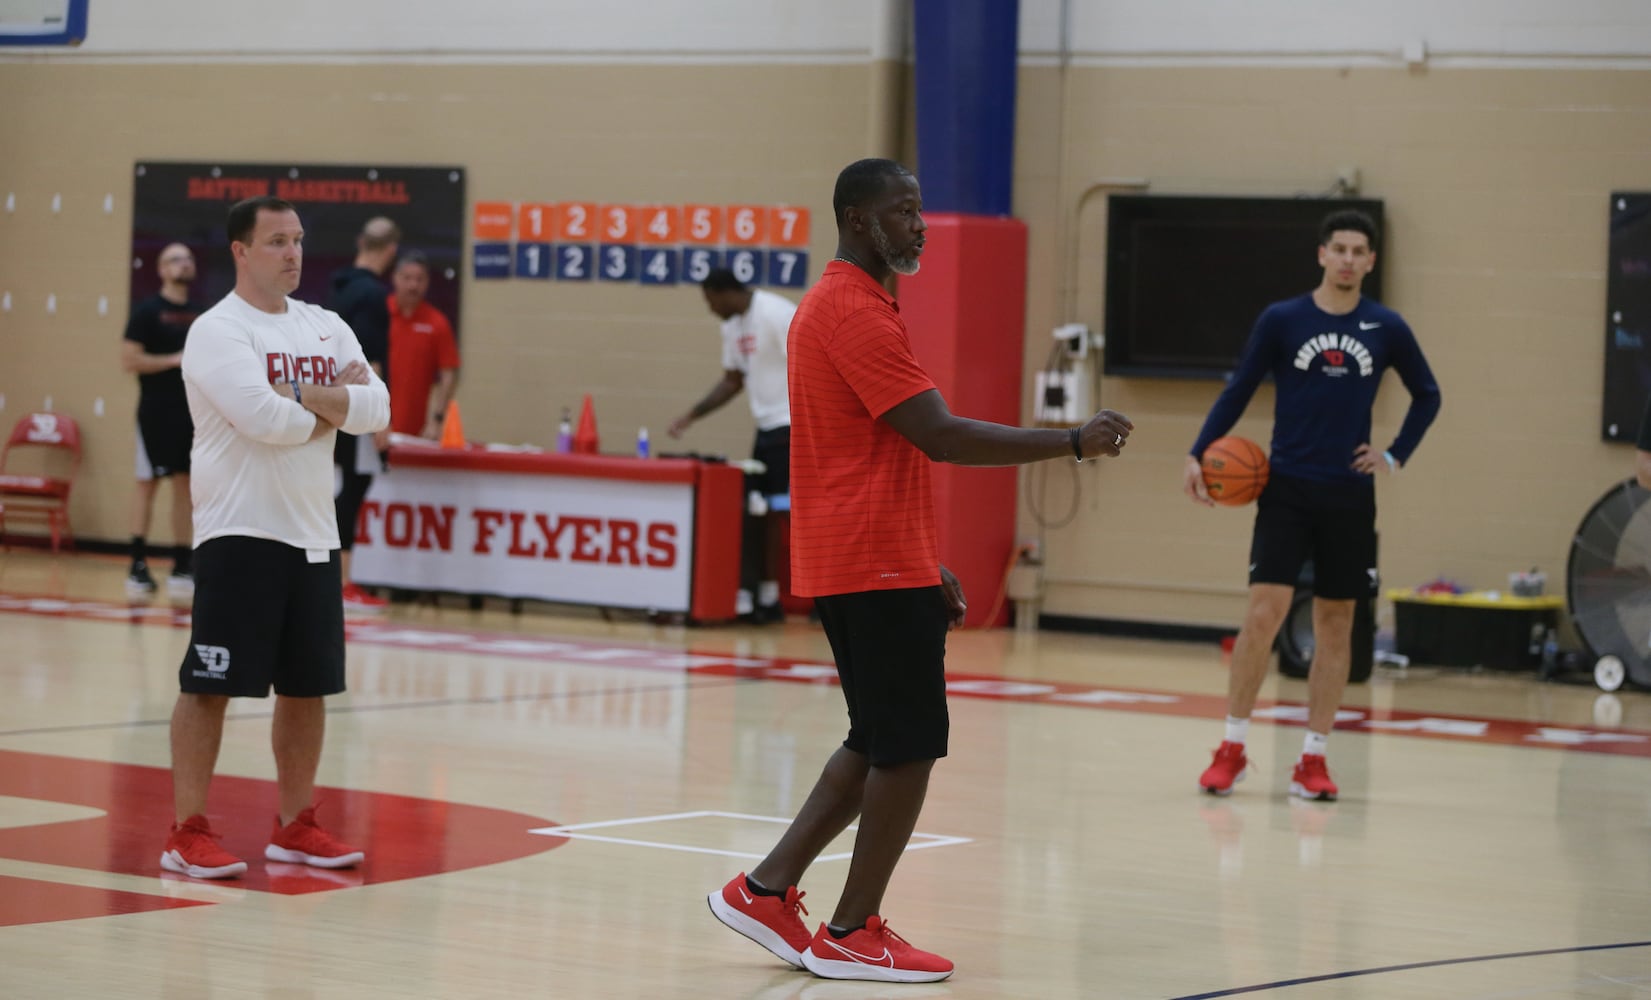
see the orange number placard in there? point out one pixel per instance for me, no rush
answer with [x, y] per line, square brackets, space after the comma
[702, 224]
[661, 224]
[575, 221]
[788, 226]
[747, 225]
[618, 223]
[492, 220]
[535, 221]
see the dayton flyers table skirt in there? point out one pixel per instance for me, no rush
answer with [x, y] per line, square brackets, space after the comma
[654, 534]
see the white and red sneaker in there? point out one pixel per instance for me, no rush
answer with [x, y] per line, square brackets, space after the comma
[356, 599]
[873, 952]
[771, 921]
[193, 850]
[1227, 769]
[1311, 779]
[303, 842]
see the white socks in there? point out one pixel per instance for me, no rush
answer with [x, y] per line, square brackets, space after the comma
[768, 593]
[1238, 731]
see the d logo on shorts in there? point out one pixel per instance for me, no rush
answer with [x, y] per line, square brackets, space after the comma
[214, 658]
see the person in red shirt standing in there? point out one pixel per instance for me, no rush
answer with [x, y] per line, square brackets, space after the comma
[424, 360]
[866, 422]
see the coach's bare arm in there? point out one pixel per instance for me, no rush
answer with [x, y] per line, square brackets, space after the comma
[927, 422]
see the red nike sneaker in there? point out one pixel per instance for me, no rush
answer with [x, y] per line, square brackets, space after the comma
[193, 850]
[1311, 779]
[771, 921]
[303, 842]
[1227, 768]
[873, 952]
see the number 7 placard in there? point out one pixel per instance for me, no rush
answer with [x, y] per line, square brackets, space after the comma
[788, 226]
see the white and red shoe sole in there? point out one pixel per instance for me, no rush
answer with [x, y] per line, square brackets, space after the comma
[754, 929]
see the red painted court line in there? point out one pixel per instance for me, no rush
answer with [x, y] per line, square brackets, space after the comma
[405, 837]
[30, 901]
[1395, 722]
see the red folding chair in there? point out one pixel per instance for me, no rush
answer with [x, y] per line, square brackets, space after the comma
[41, 497]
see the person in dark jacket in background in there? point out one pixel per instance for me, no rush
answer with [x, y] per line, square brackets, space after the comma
[359, 296]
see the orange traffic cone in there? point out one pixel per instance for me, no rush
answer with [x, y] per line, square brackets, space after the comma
[585, 439]
[452, 427]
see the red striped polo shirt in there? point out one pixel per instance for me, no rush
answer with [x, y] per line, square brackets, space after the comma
[862, 507]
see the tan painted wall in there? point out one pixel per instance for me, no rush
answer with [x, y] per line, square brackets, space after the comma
[717, 135]
[1496, 183]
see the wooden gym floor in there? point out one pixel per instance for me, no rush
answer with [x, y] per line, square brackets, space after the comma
[546, 799]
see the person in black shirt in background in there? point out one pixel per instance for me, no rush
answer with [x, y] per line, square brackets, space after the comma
[361, 297]
[1326, 351]
[153, 351]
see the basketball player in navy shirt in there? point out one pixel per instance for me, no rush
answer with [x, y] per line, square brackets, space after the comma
[1326, 352]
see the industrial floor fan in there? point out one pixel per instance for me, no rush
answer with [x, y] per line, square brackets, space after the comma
[1608, 586]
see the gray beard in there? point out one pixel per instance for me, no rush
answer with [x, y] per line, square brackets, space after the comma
[900, 265]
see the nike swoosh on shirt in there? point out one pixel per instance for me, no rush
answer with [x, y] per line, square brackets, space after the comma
[327, 337]
[885, 959]
[1367, 326]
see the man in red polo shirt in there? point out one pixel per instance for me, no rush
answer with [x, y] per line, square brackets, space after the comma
[424, 361]
[866, 422]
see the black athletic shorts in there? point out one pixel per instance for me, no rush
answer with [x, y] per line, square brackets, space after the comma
[164, 440]
[1334, 524]
[773, 449]
[264, 615]
[890, 647]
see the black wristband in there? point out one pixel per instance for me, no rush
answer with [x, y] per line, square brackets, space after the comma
[1077, 452]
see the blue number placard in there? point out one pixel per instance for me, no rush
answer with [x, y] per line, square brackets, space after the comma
[616, 262]
[574, 261]
[491, 260]
[658, 266]
[746, 265]
[697, 262]
[534, 260]
[788, 268]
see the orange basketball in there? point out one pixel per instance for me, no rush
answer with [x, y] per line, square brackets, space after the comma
[1235, 470]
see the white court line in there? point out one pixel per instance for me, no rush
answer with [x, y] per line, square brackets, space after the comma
[575, 831]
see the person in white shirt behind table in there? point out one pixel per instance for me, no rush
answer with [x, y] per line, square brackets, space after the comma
[270, 380]
[755, 324]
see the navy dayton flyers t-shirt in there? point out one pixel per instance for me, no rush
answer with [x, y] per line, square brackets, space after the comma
[1327, 369]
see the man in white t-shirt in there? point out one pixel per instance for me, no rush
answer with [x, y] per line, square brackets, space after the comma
[270, 380]
[755, 324]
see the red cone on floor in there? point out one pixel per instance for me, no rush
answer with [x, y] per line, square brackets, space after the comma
[584, 439]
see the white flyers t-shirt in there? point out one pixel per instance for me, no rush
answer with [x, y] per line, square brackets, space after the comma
[254, 470]
[753, 343]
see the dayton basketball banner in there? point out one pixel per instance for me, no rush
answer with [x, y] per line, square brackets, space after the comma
[609, 542]
[188, 203]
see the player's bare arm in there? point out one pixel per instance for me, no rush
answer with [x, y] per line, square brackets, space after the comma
[733, 381]
[927, 422]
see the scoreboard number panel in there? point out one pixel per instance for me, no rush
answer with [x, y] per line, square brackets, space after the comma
[616, 262]
[534, 260]
[788, 268]
[576, 222]
[697, 262]
[659, 266]
[747, 225]
[575, 261]
[747, 265]
[702, 225]
[535, 221]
